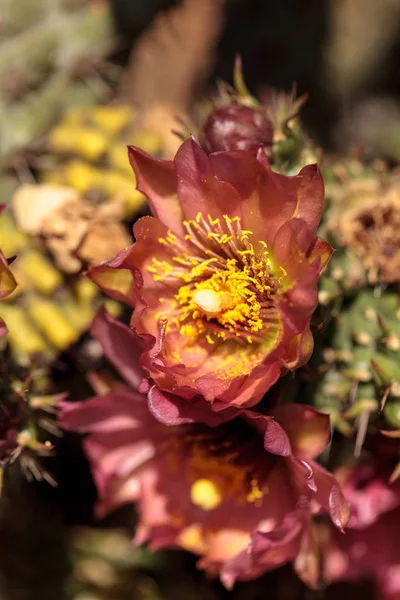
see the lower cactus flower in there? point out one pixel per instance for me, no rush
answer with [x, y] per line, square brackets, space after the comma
[238, 493]
[224, 278]
[7, 283]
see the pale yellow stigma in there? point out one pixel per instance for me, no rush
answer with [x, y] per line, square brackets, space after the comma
[205, 494]
[209, 301]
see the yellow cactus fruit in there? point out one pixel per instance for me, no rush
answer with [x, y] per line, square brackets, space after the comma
[150, 142]
[21, 333]
[85, 290]
[81, 175]
[63, 138]
[87, 142]
[91, 144]
[52, 322]
[112, 119]
[77, 115]
[44, 277]
[113, 307]
[134, 202]
[118, 154]
[79, 315]
[116, 184]
[12, 240]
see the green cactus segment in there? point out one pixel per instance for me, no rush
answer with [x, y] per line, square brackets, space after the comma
[362, 371]
[45, 46]
[28, 421]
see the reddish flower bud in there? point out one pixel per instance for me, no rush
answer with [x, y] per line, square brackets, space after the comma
[236, 127]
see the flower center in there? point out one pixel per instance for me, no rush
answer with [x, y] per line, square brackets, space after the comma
[224, 287]
[205, 494]
[221, 464]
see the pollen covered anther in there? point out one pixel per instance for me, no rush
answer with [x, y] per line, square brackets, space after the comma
[205, 494]
[209, 301]
[219, 275]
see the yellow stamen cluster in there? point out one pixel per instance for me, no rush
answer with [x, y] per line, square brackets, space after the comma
[219, 277]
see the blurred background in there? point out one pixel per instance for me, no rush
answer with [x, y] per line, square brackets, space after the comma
[79, 80]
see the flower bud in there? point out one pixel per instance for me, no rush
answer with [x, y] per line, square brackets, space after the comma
[236, 127]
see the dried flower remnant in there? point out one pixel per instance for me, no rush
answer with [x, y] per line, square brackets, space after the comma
[75, 230]
[365, 219]
[225, 277]
[238, 493]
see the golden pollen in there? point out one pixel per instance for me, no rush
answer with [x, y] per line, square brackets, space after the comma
[205, 494]
[218, 275]
[209, 301]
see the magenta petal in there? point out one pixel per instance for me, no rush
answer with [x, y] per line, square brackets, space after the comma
[275, 439]
[330, 496]
[174, 410]
[118, 410]
[156, 179]
[310, 196]
[120, 345]
[266, 551]
[199, 188]
[116, 277]
[307, 428]
[320, 250]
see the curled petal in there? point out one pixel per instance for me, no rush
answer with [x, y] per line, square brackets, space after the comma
[307, 429]
[118, 410]
[275, 439]
[199, 187]
[121, 346]
[299, 349]
[116, 277]
[330, 496]
[175, 410]
[156, 179]
[322, 250]
[310, 196]
[266, 551]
